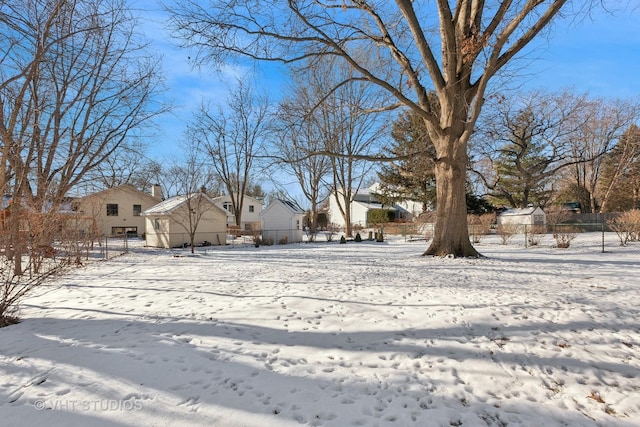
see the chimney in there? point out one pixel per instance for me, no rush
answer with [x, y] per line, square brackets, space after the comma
[156, 191]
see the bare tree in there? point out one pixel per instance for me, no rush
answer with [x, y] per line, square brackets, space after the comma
[76, 85]
[453, 48]
[351, 134]
[127, 165]
[621, 179]
[189, 180]
[607, 122]
[348, 131]
[525, 140]
[233, 136]
[331, 133]
[300, 132]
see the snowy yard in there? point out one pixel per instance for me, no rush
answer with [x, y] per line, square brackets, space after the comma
[362, 334]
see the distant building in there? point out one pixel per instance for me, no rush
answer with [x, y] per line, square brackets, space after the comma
[368, 199]
[282, 219]
[167, 223]
[113, 211]
[524, 216]
[251, 208]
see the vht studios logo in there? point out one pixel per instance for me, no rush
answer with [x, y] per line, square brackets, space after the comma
[88, 405]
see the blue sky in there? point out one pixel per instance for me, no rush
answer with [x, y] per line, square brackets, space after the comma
[598, 54]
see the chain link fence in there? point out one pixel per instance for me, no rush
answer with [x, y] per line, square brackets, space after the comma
[558, 235]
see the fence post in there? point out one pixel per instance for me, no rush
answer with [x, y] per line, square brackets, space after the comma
[602, 227]
[525, 236]
[106, 247]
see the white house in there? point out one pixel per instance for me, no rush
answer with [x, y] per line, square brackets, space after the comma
[525, 216]
[168, 223]
[251, 208]
[367, 199]
[282, 221]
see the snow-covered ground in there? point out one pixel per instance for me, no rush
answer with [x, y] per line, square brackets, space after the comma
[362, 334]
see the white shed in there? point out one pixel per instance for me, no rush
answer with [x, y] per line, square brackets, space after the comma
[282, 221]
[524, 216]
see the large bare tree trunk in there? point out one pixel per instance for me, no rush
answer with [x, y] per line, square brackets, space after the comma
[451, 235]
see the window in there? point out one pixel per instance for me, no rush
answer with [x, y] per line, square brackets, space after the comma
[112, 209]
[137, 210]
[156, 224]
[251, 208]
[227, 206]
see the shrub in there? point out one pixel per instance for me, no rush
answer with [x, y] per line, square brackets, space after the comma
[358, 238]
[506, 232]
[331, 230]
[479, 225]
[564, 234]
[536, 234]
[626, 226]
[379, 216]
[343, 239]
[27, 259]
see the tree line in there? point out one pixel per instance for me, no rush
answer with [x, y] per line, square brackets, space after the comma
[534, 148]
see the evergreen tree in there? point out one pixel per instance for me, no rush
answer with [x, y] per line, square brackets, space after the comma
[411, 177]
[524, 162]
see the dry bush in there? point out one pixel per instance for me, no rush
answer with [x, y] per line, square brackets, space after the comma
[234, 230]
[256, 232]
[507, 231]
[332, 229]
[536, 233]
[564, 234]
[626, 226]
[479, 225]
[26, 260]
[425, 224]
[428, 232]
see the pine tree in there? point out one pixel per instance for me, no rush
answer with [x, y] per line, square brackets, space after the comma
[522, 165]
[412, 176]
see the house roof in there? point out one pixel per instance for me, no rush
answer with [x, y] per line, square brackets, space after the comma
[226, 198]
[124, 187]
[520, 211]
[168, 206]
[65, 206]
[375, 206]
[290, 206]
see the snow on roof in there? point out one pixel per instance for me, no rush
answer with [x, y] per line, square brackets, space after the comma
[168, 206]
[293, 206]
[519, 211]
[375, 205]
